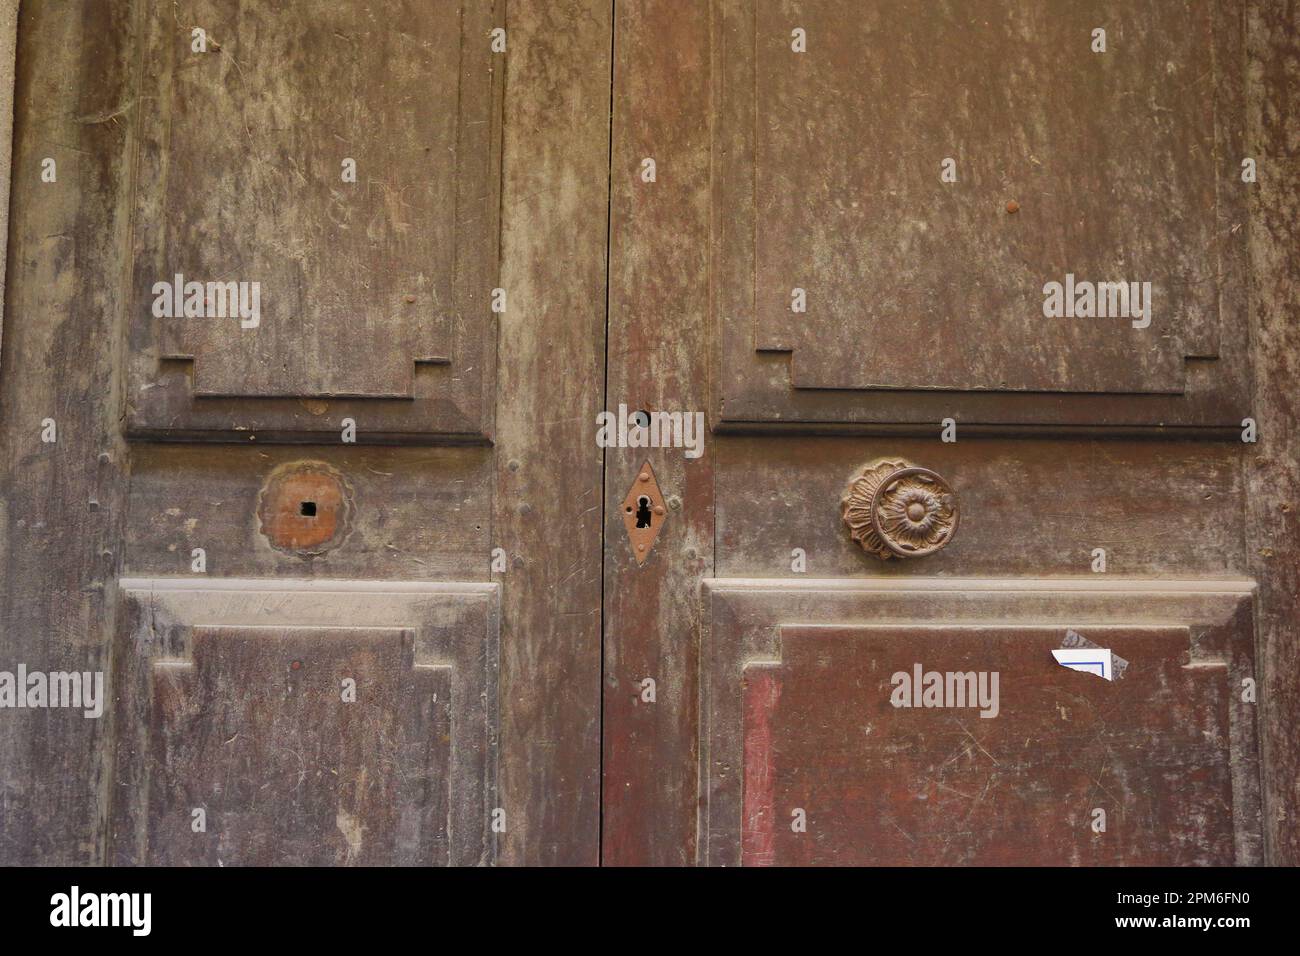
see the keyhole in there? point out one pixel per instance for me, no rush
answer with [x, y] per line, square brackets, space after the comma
[643, 512]
[307, 509]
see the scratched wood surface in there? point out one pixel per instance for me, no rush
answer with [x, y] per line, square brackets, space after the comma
[371, 290]
[658, 360]
[350, 265]
[656, 295]
[547, 508]
[924, 298]
[279, 526]
[849, 144]
[282, 780]
[938, 786]
[1273, 473]
[310, 720]
[62, 505]
[838, 744]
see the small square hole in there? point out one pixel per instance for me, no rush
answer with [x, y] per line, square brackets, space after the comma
[307, 509]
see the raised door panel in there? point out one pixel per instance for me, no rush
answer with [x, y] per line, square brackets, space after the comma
[347, 204]
[920, 298]
[803, 720]
[253, 730]
[311, 722]
[941, 785]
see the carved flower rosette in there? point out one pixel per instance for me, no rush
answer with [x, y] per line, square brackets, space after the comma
[895, 509]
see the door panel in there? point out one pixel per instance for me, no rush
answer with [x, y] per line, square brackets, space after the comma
[611, 204]
[936, 787]
[402, 514]
[925, 299]
[374, 292]
[206, 533]
[952, 276]
[234, 701]
[352, 786]
[1027, 508]
[1098, 468]
[798, 714]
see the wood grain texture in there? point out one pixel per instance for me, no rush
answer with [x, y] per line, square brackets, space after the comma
[658, 361]
[1027, 507]
[374, 293]
[1010, 778]
[229, 698]
[547, 511]
[1273, 471]
[8, 52]
[925, 298]
[900, 266]
[758, 632]
[411, 513]
[62, 504]
[253, 732]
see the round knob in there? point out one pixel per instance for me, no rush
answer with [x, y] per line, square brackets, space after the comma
[895, 509]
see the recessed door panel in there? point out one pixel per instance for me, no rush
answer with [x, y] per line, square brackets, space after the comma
[814, 752]
[1012, 760]
[898, 195]
[282, 721]
[351, 200]
[311, 746]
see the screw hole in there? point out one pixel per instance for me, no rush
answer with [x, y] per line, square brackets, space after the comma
[307, 509]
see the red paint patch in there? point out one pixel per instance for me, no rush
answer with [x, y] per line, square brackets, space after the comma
[758, 837]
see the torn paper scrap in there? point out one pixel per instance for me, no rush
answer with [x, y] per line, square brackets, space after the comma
[1092, 660]
[1117, 664]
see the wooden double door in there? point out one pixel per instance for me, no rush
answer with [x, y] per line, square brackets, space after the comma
[574, 431]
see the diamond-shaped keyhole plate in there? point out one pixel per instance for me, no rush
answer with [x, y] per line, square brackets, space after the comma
[643, 512]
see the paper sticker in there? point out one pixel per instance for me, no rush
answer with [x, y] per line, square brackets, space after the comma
[1076, 641]
[1091, 660]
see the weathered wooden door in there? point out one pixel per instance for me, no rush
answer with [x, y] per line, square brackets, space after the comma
[304, 337]
[566, 431]
[928, 466]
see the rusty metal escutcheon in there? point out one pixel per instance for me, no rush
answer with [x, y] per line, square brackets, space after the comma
[894, 508]
[643, 512]
[305, 508]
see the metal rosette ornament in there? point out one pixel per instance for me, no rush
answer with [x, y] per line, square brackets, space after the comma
[894, 509]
